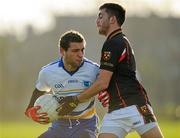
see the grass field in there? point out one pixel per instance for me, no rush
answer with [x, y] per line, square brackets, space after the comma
[29, 129]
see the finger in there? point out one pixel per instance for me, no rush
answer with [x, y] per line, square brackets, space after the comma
[105, 98]
[42, 114]
[105, 104]
[37, 107]
[43, 119]
[102, 95]
[44, 122]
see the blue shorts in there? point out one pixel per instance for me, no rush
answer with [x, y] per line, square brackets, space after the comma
[67, 128]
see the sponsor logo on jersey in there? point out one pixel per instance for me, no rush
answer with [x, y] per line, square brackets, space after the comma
[72, 81]
[58, 85]
[87, 83]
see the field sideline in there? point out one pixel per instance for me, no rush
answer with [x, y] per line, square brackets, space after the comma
[32, 129]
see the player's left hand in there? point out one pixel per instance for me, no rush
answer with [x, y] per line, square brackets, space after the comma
[67, 105]
[104, 98]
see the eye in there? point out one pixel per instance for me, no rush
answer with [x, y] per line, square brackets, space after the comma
[76, 50]
[82, 50]
[100, 16]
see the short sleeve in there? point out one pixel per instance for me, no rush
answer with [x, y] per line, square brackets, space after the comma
[110, 54]
[41, 83]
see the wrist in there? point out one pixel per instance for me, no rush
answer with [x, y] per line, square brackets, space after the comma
[27, 112]
[76, 99]
[79, 99]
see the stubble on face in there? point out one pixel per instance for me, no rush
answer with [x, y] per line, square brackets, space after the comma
[103, 30]
[102, 23]
[73, 57]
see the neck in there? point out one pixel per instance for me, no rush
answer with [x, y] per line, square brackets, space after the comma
[114, 32]
[112, 29]
[69, 67]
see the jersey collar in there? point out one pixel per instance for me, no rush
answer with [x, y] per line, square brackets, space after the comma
[115, 32]
[61, 64]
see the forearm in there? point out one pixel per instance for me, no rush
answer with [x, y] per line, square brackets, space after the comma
[35, 95]
[97, 86]
[69, 103]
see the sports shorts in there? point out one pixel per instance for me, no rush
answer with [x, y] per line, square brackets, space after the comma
[68, 128]
[122, 121]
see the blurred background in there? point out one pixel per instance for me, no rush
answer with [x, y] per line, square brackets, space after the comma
[29, 34]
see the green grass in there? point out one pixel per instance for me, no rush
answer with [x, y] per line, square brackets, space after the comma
[170, 129]
[21, 129]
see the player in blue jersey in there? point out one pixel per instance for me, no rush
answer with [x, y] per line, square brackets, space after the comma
[129, 105]
[70, 75]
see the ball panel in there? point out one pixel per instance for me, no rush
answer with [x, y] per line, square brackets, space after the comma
[49, 105]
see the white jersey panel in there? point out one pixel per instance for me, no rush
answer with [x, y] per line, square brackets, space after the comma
[55, 78]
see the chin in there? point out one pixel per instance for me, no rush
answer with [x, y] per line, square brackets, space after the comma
[79, 63]
[101, 32]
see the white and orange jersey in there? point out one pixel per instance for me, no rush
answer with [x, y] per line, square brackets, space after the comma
[55, 78]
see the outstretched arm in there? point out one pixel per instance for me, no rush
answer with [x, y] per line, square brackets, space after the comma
[68, 104]
[99, 85]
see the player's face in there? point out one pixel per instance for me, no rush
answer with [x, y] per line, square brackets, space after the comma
[103, 22]
[74, 55]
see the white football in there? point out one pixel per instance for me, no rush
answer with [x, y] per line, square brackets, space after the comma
[49, 104]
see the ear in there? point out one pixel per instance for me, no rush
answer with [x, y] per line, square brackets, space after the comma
[113, 19]
[62, 51]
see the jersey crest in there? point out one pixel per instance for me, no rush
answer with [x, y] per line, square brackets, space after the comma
[106, 55]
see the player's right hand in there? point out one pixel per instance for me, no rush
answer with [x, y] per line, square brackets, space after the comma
[104, 97]
[67, 105]
[37, 117]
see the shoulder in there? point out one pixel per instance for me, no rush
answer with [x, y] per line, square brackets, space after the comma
[90, 63]
[51, 66]
[118, 42]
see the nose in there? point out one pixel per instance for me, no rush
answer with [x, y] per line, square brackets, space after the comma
[81, 54]
[97, 21]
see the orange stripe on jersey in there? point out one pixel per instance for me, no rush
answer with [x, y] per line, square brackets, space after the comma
[143, 93]
[120, 97]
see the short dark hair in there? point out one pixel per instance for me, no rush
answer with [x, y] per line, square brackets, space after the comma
[115, 10]
[68, 37]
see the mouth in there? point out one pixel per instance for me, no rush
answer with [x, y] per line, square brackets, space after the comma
[79, 60]
[98, 26]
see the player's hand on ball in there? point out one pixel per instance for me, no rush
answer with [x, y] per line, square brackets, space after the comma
[104, 97]
[37, 117]
[67, 105]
